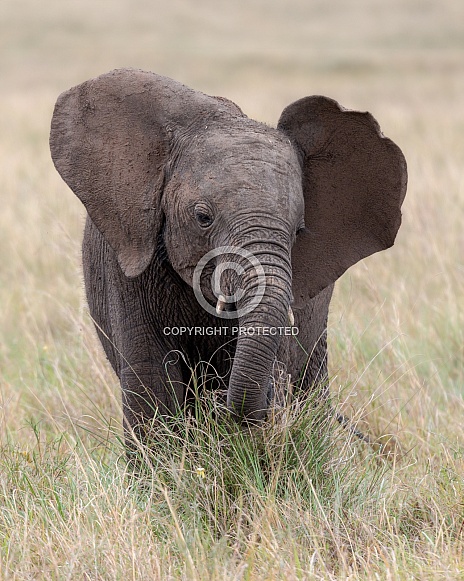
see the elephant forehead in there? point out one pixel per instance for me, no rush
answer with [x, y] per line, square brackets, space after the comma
[250, 156]
[239, 170]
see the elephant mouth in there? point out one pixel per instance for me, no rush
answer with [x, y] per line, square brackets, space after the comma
[225, 305]
[228, 305]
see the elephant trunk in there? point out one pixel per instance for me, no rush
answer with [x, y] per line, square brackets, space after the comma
[259, 335]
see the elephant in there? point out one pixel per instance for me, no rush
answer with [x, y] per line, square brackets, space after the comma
[210, 235]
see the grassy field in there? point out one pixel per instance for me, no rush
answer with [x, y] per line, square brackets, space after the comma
[299, 499]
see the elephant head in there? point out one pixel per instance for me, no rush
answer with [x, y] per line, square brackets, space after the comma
[153, 160]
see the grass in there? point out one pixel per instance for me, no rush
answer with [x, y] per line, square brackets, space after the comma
[300, 499]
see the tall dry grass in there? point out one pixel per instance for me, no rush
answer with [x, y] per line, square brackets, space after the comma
[299, 500]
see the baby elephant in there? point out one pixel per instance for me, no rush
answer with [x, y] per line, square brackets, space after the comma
[214, 239]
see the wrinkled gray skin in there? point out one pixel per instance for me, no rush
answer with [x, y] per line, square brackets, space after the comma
[168, 174]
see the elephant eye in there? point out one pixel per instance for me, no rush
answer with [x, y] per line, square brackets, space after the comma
[203, 215]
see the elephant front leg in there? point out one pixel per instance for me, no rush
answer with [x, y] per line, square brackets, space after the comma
[151, 393]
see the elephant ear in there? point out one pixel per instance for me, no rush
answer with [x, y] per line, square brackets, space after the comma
[111, 139]
[354, 182]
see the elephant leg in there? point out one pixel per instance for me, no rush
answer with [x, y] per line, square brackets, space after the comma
[152, 391]
[314, 378]
[308, 350]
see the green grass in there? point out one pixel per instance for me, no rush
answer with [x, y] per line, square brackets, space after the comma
[301, 498]
[298, 498]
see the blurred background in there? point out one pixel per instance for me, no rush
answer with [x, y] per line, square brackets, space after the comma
[396, 329]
